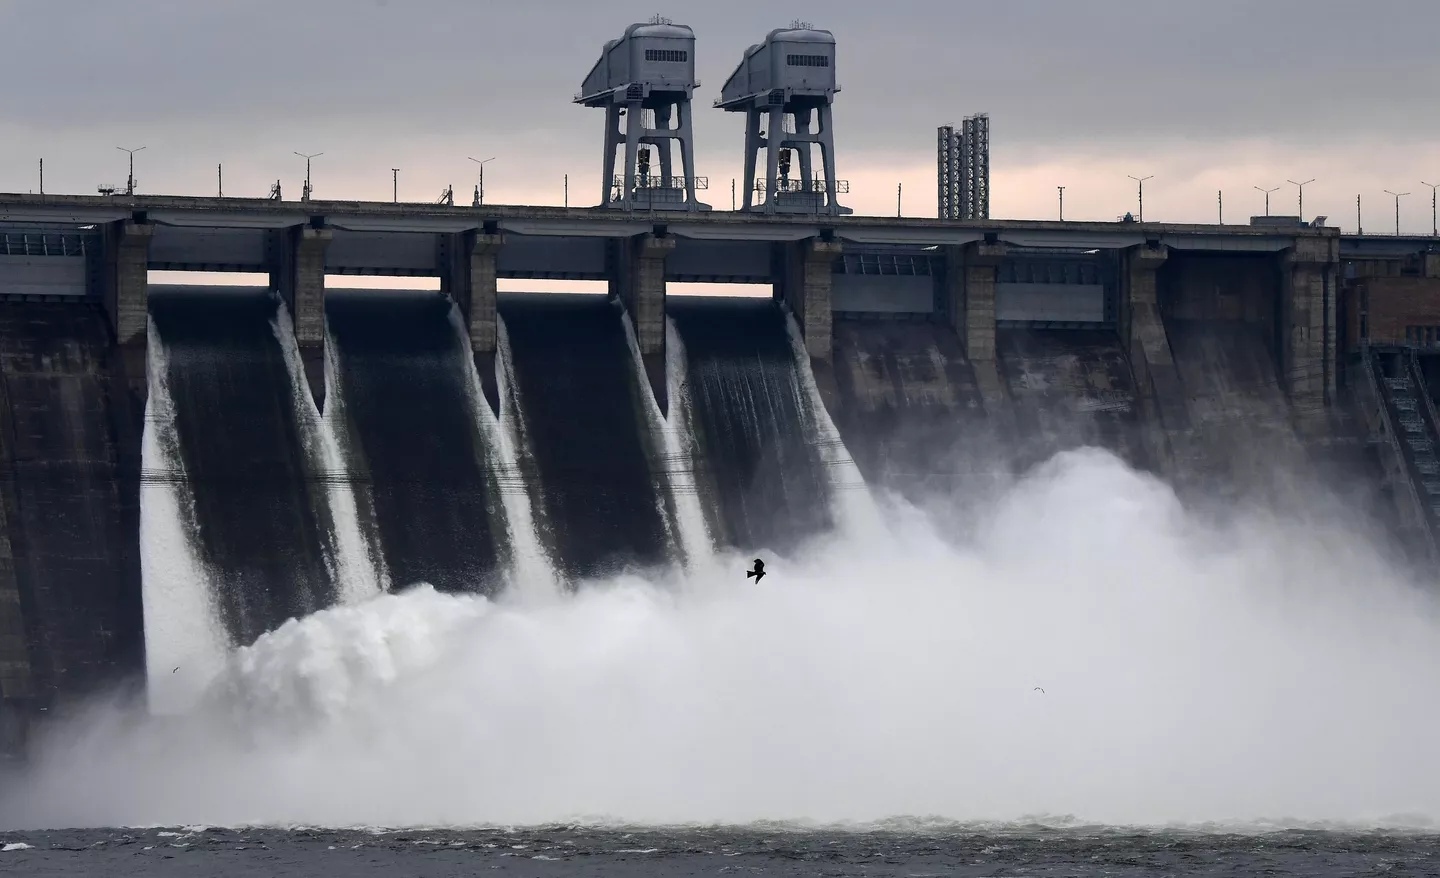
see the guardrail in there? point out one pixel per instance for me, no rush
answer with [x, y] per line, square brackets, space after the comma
[654, 182]
[789, 185]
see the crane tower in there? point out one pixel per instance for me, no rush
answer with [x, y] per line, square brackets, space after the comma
[646, 79]
[785, 83]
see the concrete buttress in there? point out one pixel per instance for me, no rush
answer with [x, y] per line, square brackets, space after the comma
[1157, 382]
[808, 268]
[643, 294]
[470, 280]
[971, 272]
[301, 284]
[1307, 361]
[126, 287]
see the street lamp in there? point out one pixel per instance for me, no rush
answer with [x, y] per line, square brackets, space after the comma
[1141, 193]
[395, 185]
[1062, 203]
[130, 180]
[1434, 228]
[480, 186]
[1300, 208]
[1398, 196]
[305, 192]
[1267, 196]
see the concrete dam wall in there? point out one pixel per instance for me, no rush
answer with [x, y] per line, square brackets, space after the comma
[69, 551]
[413, 470]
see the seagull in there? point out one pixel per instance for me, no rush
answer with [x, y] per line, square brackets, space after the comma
[1038, 689]
[758, 573]
[175, 670]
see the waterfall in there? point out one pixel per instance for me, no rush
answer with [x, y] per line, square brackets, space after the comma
[531, 572]
[185, 641]
[678, 462]
[855, 510]
[350, 564]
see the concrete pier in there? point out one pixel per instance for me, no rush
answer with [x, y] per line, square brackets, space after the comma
[805, 289]
[469, 279]
[300, 279]
[1308, 311]
[642, 292]
[127, 269]
[1157, 382]
[126, 285]
[972, 270]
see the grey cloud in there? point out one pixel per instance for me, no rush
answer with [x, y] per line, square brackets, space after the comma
[1046, 70]
[246, 81]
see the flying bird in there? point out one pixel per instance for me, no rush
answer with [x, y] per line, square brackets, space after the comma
[1038, 689]
[758, 573]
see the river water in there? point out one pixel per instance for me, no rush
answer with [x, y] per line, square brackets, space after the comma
[755, 850]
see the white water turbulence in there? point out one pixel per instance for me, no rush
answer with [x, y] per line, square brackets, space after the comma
[185, 640]
[1267, 669]
[531, 572]
[351, 565]
[854, 507]
[691, 533]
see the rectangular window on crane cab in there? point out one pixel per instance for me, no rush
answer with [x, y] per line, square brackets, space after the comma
[807, 60]
[675, 56]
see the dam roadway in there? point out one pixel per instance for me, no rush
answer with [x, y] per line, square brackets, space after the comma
[1201, 352]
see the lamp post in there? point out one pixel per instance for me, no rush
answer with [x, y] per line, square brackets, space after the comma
[1140, 194]
[1267, 196]
[395, 185]
[1398, 196]
[1062, 202]
[306, 190]
[480, 185]
[1434, 228]
[130, 180]
[1300, 207]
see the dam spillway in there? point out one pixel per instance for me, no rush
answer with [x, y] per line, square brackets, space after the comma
[596, 473]
[420, 437]
[757, 457]
[260, 509]
[428, 504]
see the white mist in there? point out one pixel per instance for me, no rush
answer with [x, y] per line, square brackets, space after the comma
[1267, 669]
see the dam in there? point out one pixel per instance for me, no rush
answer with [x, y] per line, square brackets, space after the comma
[188, 467]
[319, 444]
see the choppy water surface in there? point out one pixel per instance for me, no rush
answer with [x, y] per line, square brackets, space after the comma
[566, 850]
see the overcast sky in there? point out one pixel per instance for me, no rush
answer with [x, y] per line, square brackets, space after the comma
[1203, 94]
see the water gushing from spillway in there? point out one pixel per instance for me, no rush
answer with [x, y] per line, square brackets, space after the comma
[676, 460]
[428, 501]
[531, 572]
[185, 641]
[584, 429]
[351, 566]
[854, 507]
[757, 451]
[263, 523]
[1270, 667]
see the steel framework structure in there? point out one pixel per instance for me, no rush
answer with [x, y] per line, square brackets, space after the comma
[963, 169]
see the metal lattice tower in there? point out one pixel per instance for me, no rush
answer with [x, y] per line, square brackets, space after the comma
[947, 173]
[963, 169]
[785, 87]
[645, 79]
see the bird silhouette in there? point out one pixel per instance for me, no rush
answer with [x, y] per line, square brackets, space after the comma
[758, 573]
[1038, 689]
